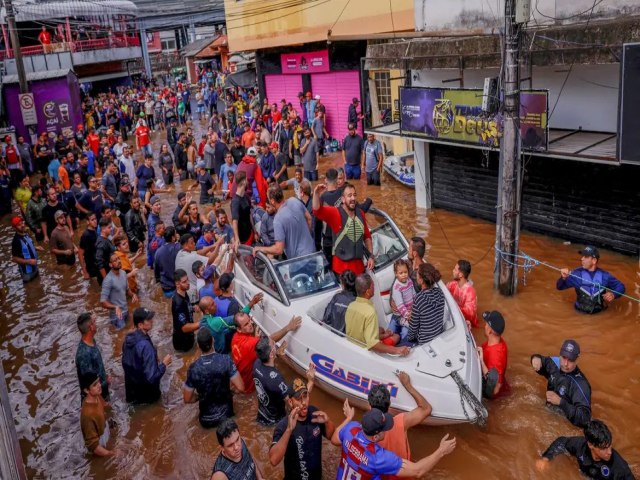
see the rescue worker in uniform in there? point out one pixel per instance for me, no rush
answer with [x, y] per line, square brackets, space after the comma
[352, 238]
[595, 288]
[567, 388]
[596, 458]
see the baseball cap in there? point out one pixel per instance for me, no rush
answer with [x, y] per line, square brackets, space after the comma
[495, 320]
[225, 281]
[200, 164]
[15, 221]
[570, 349]
[355, 100]
[207, 228]
[590, 251]
[124, 181]
[252, 152]
[7, 138]
[58, 214]
[80, 126]
[301, 94]
[274, 145]
[154, 199]
[297, 388]
[374, 422]
[208, 272]
[141, 314]
[317, 97]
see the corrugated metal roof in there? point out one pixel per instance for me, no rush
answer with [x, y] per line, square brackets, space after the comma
[35, 76]
[31, 10]
[183, 9]
[191, 49]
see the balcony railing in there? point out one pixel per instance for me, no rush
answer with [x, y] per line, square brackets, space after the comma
[117, 41]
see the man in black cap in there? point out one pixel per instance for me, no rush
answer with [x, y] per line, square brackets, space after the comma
[123, 199]
[493, 356]
[596, 458]
[298, 437]
[362, 457]
[142, 371]
[595, 288]
[567, 388]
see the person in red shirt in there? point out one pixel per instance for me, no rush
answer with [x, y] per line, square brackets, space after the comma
[493, 357]
[248, 137]
[352, 237]
[45, 40]
[143, 141]
[244, 341]
[464, 293]
[94, 141]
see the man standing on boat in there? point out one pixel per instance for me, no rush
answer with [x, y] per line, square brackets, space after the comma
[594, 287]
[351, 233]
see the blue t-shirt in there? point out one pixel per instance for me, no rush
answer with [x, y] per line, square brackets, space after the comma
[144, 173]
[290, 226]
[362, 458]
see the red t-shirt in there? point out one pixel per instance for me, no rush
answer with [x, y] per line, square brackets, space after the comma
[495, 356]
[331, 215]
[243, 352]
[142, 135]
[11, 154]
[94, 142]
[44, 38]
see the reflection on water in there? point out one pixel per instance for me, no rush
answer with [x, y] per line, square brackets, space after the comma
[38, 339]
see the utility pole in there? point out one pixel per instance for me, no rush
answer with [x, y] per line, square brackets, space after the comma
[508, 214]
[15, 44]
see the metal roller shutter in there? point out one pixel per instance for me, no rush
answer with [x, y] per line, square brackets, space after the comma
[283, 86]
[336, 90]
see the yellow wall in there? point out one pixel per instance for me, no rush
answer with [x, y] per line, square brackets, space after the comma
[250, 26]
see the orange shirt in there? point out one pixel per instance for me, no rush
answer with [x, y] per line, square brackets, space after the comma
[63, 175]
[396, 441]
[45, 37]
[127, 266]
[243, 352]
[248, 138]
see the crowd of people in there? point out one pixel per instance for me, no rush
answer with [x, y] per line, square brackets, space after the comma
[98, 203]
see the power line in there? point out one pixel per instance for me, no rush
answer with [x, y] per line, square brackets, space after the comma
[340, 15]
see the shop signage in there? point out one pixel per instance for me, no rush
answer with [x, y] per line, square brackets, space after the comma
[306, 62]
[28, 109]
[456, 115]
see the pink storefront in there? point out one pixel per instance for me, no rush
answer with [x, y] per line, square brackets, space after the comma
[313, 71]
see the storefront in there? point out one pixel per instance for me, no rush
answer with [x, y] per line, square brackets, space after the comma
[330, 71]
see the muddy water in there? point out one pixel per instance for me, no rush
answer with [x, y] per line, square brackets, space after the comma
[38, 339]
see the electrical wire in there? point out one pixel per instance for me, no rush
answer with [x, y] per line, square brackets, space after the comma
[280, 16]
[393, 27]
[340, 14]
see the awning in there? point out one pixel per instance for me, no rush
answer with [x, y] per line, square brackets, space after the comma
[594, 147]
[106, 76]
[244, 79]
[35, 76]
[29, 10]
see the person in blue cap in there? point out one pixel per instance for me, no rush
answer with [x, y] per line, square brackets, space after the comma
[567, 388]
[595, 288]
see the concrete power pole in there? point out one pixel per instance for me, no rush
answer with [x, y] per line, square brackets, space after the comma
[508, 215]
[15, 44]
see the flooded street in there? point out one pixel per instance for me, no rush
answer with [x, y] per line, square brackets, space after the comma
[38, 339]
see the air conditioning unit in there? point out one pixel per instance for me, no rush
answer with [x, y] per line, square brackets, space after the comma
[490, 95]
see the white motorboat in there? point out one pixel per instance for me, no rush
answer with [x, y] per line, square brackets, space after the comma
[401, 167]
[446, 370]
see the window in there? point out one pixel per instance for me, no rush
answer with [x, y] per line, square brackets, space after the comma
[169, 44]
[383, 89]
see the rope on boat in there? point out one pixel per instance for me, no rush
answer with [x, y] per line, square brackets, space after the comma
[467, 396]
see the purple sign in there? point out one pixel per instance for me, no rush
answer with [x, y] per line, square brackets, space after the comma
[57, 103]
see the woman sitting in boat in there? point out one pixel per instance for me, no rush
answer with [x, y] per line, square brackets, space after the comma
[335, 312]
[427, 312]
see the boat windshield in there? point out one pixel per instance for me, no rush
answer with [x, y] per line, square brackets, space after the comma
[304, 276]
[387, 244]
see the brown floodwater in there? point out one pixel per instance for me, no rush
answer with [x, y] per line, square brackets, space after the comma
[38, 339]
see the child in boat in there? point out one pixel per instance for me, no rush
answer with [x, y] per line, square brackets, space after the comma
[402, 293]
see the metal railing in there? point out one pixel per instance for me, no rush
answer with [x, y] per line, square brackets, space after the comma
[116, 41]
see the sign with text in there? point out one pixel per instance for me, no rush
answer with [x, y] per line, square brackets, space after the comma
[306, 62]
[28, 109]
[456, 115]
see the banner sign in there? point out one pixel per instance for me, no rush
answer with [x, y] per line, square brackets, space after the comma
[456, 115]
[307, 62]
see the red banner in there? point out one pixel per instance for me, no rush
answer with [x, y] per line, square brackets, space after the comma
[307, 62]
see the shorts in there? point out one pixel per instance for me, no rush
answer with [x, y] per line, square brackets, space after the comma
[28, 277]
[200, 108]
[353, 172]
[311, 176]
[396, 327]
[297, 159]
[118, 322]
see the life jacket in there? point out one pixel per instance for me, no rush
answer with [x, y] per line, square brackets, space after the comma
[590, 293]
[349, 242]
